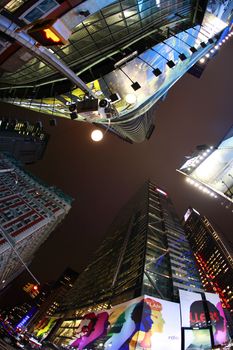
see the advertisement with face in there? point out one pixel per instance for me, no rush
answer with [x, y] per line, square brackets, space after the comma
[142, 323]
[218, 319]
[193, 316]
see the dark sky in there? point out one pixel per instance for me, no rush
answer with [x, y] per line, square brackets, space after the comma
[101, 177]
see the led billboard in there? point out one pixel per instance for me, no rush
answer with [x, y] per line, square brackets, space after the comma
[141, 323]
[193, 315]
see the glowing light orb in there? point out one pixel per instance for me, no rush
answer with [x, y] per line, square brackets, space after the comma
[131, 99]
[97, 135]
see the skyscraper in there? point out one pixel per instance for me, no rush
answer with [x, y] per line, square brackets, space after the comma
[210, 169]
[213, 257]
[22, 140]
[30, 211]
[123, 54]
[144, 252]
[53, 299]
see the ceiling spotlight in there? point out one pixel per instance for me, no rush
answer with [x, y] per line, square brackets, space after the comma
[73, 115]
[193, 49]
[207, 55]
[203, 44]
[171, 64]
[131, 99]
[157, 72]
[202, 60]
[212, 50]
[216, 47]
[182, 57]
[97, 135]
[136, 86]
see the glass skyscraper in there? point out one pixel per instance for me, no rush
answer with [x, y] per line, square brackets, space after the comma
[144, 252]
[213, 257]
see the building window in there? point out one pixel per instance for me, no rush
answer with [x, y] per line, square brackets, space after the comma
[40, 9]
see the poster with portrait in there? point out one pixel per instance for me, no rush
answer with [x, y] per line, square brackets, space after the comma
[141, 323]
[218, 319]
[193, 316]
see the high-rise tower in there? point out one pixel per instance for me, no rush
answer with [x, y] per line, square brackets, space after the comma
[30, 211]
[213, 257]
[145, 252]
[22, 140]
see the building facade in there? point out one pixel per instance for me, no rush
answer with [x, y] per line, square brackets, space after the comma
[125, 54]
[22, 140]
[30, 211]
[145, 252]
[51, 303]
[213, 257]
[210, 169]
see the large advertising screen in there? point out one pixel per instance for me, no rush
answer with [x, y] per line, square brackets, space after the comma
[218, 318]
[193, 315]
[141, 323]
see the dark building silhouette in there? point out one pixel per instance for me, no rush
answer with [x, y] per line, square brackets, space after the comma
[22, 140]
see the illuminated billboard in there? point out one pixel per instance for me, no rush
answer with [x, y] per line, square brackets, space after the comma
[141, 323]
[193, 314]
[44, 327]
[213, 168]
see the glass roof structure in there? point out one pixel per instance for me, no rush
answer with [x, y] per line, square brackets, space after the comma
[212, 168]
[105, 31]
[155, 33]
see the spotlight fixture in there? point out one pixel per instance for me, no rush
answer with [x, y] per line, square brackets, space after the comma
[203, 44]
[171, 64]
[182, 57]
[157, 72]
[136, 86]
[193, 49]
[211, 41]
[202, 60]
[73, 115]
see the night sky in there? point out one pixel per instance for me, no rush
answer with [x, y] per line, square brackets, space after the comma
[101, 177]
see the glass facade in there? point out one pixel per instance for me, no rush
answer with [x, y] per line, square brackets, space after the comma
[214, 259]
[144, 252]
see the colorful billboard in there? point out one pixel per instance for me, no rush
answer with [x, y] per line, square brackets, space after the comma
[141, 323]
[218, 318]
[193, 314]
[44, 327]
